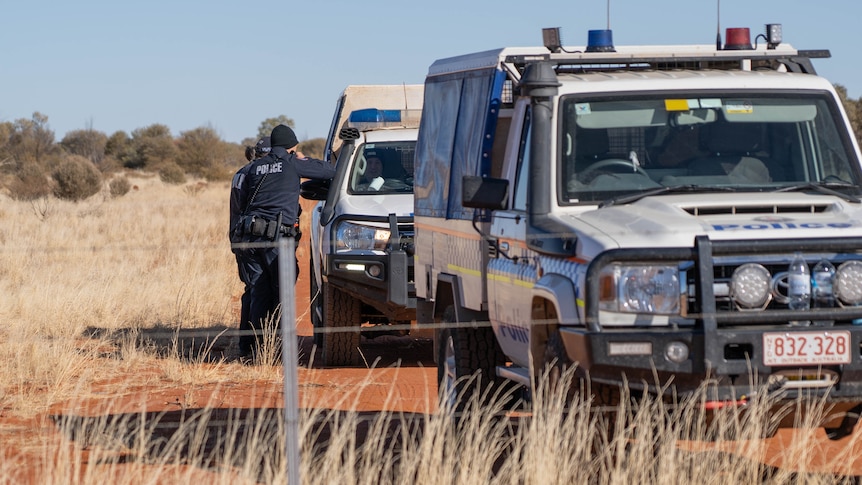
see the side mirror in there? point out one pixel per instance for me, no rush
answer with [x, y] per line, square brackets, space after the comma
[314, 189]
[484, 192]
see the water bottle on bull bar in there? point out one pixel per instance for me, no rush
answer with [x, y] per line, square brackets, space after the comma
[798, 286]
[822, 276]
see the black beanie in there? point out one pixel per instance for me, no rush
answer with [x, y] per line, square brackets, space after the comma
[283, 136]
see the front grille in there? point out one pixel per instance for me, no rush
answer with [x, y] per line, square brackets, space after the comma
[756, 209]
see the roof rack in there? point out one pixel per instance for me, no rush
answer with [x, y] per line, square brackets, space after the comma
[690, 59]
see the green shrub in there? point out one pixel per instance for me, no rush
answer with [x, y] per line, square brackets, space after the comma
[77, 178]
[171, 173]
[119, 186]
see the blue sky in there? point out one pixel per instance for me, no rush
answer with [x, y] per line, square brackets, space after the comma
[114, 65]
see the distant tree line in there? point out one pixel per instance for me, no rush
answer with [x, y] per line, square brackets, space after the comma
[33, 165]
[854, 111]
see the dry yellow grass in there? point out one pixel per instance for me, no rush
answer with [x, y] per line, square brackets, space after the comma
[154, 256]
[86, 286]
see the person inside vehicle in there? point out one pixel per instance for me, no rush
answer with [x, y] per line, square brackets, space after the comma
[372, 179]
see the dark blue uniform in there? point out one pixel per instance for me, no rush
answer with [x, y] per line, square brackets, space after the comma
[235, 234]
[270, 190]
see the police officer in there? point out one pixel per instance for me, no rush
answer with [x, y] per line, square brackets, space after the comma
[261, 148]
[270, 196]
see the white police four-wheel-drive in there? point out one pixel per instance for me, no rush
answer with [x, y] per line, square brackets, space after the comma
[362, 228]
[650, 214]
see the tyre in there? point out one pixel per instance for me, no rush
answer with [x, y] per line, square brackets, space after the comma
[341, 319]
[556, 364]
[447, 372]
[316, 306]
[466, 365]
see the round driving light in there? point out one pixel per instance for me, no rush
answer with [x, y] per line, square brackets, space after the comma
[676, 352]
[848, 283]
[750, 286]
[374, 271]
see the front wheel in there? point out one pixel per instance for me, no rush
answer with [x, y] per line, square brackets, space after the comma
[447, 374]
[467, 363]
[341, 322]
[562, 377]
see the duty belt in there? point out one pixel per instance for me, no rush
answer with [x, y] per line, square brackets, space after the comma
[260, 227]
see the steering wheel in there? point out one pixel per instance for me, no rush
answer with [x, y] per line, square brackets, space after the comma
[619, 163]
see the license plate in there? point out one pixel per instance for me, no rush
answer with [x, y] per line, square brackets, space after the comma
[806, 348]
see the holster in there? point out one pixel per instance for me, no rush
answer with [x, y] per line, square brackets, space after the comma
[258, 226]
[255, 226]
[271, 230]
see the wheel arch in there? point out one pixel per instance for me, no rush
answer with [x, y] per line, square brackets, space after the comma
[554, 303]
[448, 292]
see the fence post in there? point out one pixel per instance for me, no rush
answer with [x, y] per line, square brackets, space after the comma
[289, 355]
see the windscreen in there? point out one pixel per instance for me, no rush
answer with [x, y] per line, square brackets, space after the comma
[610, 147]
[383, 168]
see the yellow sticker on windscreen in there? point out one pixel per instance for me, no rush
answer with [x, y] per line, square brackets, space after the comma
[676, 104]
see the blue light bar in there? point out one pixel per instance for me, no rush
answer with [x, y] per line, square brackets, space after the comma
[372, 115]
[374, 119]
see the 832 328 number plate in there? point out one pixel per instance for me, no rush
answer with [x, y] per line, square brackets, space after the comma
[806, 348]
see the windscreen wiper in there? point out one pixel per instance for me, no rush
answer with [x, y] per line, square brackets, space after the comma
[827, 188]
[673, 189]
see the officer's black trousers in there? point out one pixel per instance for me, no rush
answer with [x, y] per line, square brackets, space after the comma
[261, 270]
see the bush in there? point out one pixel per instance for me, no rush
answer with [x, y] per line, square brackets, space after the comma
[171, 173]
[313, 147]
[119, 186]
[77, 178]
[218, 173]
[29, 183]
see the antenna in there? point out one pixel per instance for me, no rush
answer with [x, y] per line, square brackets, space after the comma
[609, 14]
[717, 25]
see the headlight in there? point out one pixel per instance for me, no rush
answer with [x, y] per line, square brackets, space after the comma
[640, 289]
[357, 236]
